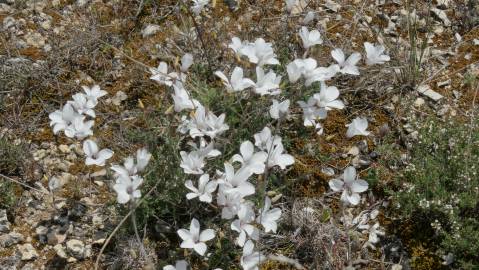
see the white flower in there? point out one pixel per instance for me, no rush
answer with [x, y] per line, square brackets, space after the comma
[357, 127]
[279, 109]
[198, 6]
[204, 149]
[242, 224]
[204, 190]
[327, 98]
[374, 54]
[321, 74]
[61, 119]
[205, 124]
[195, 240]
[186, 61]
[93, 94]
[350, 186]
[254, 162]
[277, 158]
[268, 218]
[126, 188]
[230, 203]
[192, 162]
[267, 84]
[142, 159]
[94, 155]
[129, 167]
[263, 139]
[260, 52]
[348, 66]
[160, 74]
[180, 265]
[310, 38]
[237, 182]
[82, 104]
[311, 112]
[308, 68]
[236, 45]
[183, 99]
[79, 128]
[251, 259]
[237, 82]
[127, 170]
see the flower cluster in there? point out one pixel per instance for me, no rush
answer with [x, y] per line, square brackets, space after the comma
[127, 178]
[72, 117]
[316, 107]
[230, 188]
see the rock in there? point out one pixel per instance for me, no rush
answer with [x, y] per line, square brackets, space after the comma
[444, 83]
[55, 236]
[81, 3]
[10, 239]
[327, 171]
[419, 102]
[4, 224]
[333, 6]
[443, 4]
[64, 148]
[428, 92]
[27, 252]
[441, 15]
[76, 248]
[35, 40]
[8, 22]
[149, 30]
[354, 151]
[60, 250]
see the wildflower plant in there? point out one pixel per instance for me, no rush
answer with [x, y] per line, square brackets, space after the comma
[233, 189]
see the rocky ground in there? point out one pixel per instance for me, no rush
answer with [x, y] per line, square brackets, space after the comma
[49, 48]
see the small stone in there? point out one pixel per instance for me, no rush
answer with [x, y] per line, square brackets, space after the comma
[97, 221]
[441, 15]
[4, 224]
[76, 248]
[327, 171]
[333, 6]
[55, 237]
[354, 151]
[396, 267]
[64, 148]
[99, 173]
[35, 40]
[419, 102]
[10, 239]
[99, 183]
[149, 30]
[428, 92]
[27, 252]
[60, 250]
[444, 83]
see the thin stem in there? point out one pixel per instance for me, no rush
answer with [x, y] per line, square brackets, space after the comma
[135, 228]
[107, 241]
[200, 36]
